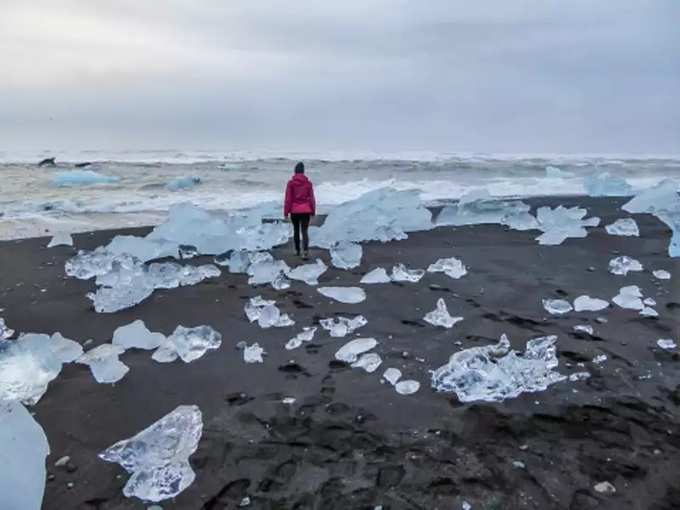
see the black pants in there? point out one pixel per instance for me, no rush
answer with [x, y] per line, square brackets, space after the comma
[300, 222]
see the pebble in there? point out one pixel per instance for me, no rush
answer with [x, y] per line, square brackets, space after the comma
[604, 488]
[244, 502]
[591, 269]
[524, 447]
[70, 485]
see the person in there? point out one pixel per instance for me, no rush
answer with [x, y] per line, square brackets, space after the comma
[300, 205]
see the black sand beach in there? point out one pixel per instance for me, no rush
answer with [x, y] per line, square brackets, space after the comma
[349, 441]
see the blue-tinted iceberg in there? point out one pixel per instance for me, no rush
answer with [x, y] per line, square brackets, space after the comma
[187, 344]
[606, 185]
[81, 178]
[183, 183]
[479, 207]
[561, 223]
[105, 364]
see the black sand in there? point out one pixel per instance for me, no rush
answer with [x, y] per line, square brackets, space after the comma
[349, 441]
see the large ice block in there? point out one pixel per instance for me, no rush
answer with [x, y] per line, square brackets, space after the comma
[266, 313]
[479, 207]
[622, 265]
[561, 223]
[588, 304]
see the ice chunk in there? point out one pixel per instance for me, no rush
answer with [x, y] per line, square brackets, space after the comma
[604, 488]
[343, 326]
[137, 336]
[660, 274]
[557, 306]
[606, 185]
[584, 328]
[666, 344]
[350, 352]
[308, 273]
[281, 282]
[400, 273]
[266, 271]
[552, 172]
[104, 363]
[378, 275]
[266, 313]
[649, 312]
[22, 457]
[623, 227]
[307, 335]
[369, 362]
[392, 375]
[589, 304]
[494, 372]
[561, 222]
[600, 359]
[81, 178]
[440, 316]
[629, 297]
[85, 265]
[622, 265]
[65, 350]
[158, 456]
[649, 301]
[5, 331]
[183, 183]
[407, 387]
[188, 344]
[380, 215]
[451, 267]
[350, 295]
[253, 353]
[61, 239]
[346, 255]
[239, 260]
[579, 376]
[479, 207]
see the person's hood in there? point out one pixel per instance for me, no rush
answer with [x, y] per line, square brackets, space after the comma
[299, 178]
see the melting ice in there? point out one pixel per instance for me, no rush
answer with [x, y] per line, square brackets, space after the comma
[623, 227]
[622, 265]
[105, 364]
[557, 306]
[451, 267]
[308, 273]
[349, 295]
[629, 297]
[660, 274]
[377, 275]
[346, 255]
[266, 313]
[400, 273]
[369, 362]
[350, 352]
[5, 331]
[342, 326]
[60, 239]
[137, 336]
[307, 335]
[589, 304]
[188, 344]
[253, 353]
[561, 223]
[606, 185]
[440, 316]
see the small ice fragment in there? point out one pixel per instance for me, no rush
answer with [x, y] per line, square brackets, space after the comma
[400, 273]
[187, 251]
[588, 304]
[604, 488]
[649, 312]
[584, 328]
[352, 349]
[440, 316]
[579, 376]
[306, 335]
[346, 255]
[342, 326]
[451, 267]
[239, 260]
[622, 265]
[158, 456]
[466, 506]
[349, 295]
[5, 332]
[244, 502]
[562, 223]
[392, 375]
[61, 239]
[661, 274]
[266, 313]
[281, 282]
[369, 362]
[288, 400]
[557, 306]
[137, 336]
[623, 227]
[407, 387]
[253, 353]
[104, 363]
[518, 464]
[62, 461]
[666, 344]
[378, 275]
[649, 301]
[629, 297]
[308, 273]
[599, 359]
[188, 344]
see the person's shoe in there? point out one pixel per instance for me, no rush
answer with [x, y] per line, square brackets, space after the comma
[305, 255]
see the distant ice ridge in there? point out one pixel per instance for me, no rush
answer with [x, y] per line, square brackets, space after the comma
[183, 183]
[81, 178]
[624, 227]
[605, 185]
[22, 458]
[663, 202]
[623, 265]
[495, 372]
[380, 215]
[266, 313]
[158, 456]
[552, 172]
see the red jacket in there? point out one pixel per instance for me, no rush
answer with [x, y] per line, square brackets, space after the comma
[299, 196]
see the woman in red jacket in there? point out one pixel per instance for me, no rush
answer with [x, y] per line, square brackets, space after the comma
[301, 206]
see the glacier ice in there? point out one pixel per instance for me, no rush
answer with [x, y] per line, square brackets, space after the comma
[588, 304]
[342, 326]
[629, 297]
[308, 273]
[183, 183]
[666, 343]
[606, 185]
[346, 255]
[266, 313]
[479, 207]
[350, 295]
[253, 353]
[552, 172]
[266, 271]
[584, 328]
[66, 350]
[392, 375]
[137, 336]
[377, 275]
[623, 227]
[60, 239]
[382, 215]
[495, 372]
[451, 267]
[81, 178]
[188, 344]
[281, 282]
[86, 265]
[407, 387]
[648, 312]
[369, 362]
[5, 331]
[660, 274]
[561, 223]
[22, 457]
[440, 316]
[238, 261]
[306, 335]
[400, 273]
[649, 301]
[158, 456]
[622, 265]
[105, 364]
[557, 306]
[351, 351]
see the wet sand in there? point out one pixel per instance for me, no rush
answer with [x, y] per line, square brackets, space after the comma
[350, 441]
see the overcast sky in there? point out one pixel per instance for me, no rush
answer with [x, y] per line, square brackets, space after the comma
[387, 75]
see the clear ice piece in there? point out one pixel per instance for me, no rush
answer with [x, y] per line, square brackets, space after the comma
[377, 275]
[400, 273]
[623, 227]
[584, 328]
[253, 353]
[660, 274]
[266, 313]
[308, 273]
[60, 239]
[266, 271]
[5, 331]
[478, 207]
[407, 387]
[649, 312]
[104, 363]
[440, 316]
[600, 359]
[188, 344]
[350, 352]
[557, 306]
[392, 375]
[369, 362]
[666, 344]
[629, 297]
[307, 335]
[606, 185]
[350, 295]
[588, 304]
[451, 267]
[281, 282]
[137, 336]
[622, 265]
[342, 326]
[346, 255]
[561, 223]
[65, 350]
[158, 456]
